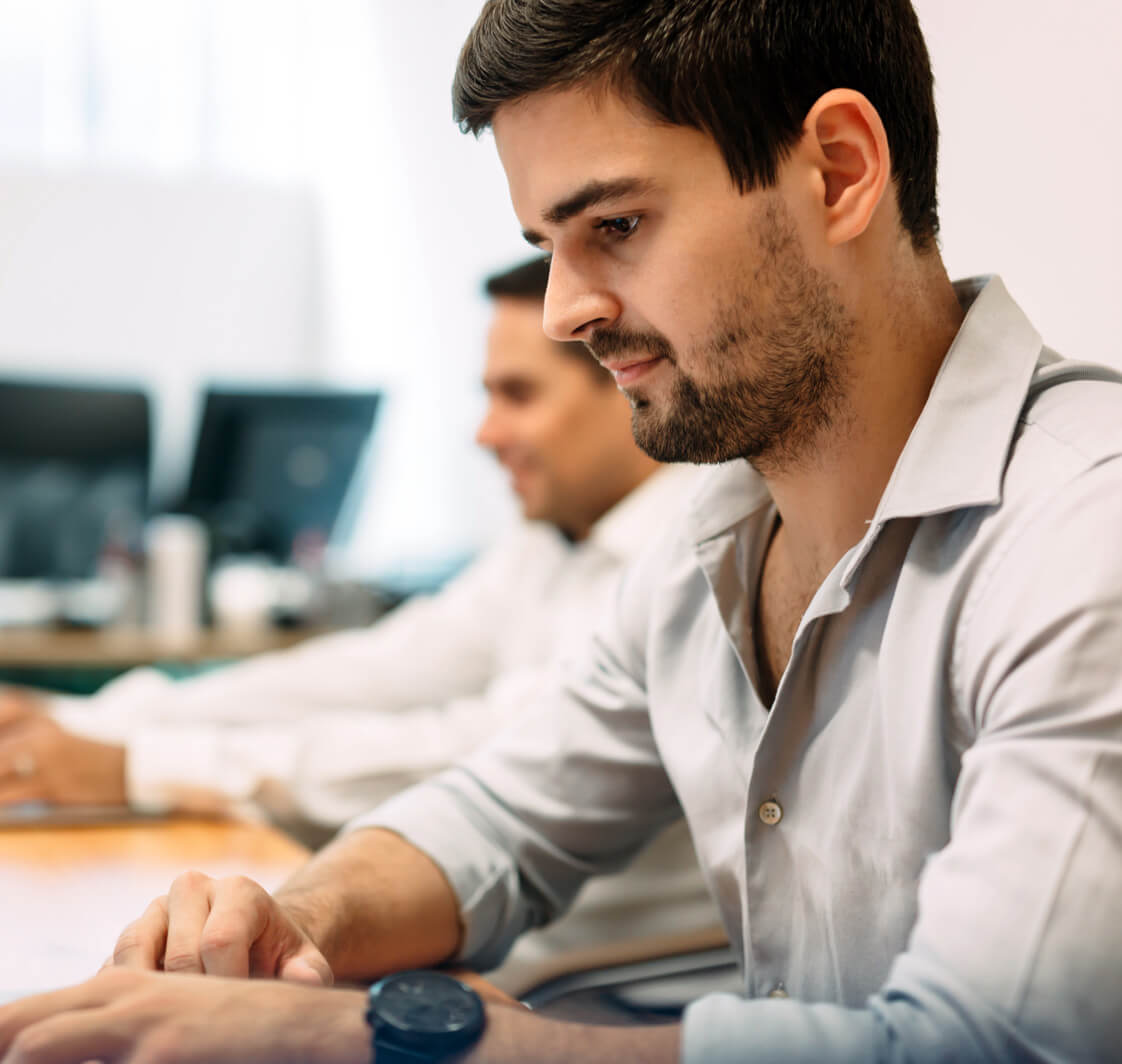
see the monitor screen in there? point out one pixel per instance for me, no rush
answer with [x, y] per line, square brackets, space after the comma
[271, 467]
[74, 462]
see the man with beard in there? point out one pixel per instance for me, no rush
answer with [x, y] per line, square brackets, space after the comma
[875, 663]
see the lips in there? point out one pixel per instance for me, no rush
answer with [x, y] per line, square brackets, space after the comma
[627, 370]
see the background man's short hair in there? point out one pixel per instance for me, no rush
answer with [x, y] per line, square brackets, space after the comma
[528, 281]
[746, 72]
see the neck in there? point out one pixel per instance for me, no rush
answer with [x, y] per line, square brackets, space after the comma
[906, 321]
[631, 474]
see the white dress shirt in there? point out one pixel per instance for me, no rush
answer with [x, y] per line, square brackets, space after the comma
[917, 848]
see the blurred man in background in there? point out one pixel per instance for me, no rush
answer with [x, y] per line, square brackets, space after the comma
[320, 733]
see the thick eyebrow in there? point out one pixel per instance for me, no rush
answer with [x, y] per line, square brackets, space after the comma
[592, 194]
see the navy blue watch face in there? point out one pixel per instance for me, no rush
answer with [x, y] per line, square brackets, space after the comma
[428, 1003]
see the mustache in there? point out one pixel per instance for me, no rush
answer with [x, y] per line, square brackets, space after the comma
[612, 340]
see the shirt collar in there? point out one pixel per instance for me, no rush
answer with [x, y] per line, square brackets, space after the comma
[957, 450]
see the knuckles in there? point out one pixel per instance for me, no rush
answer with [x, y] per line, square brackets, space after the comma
[191, 882]
[182, 962]
[244, 888]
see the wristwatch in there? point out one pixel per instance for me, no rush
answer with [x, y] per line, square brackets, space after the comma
[422, 1016]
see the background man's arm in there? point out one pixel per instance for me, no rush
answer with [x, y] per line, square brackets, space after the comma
[257, 731]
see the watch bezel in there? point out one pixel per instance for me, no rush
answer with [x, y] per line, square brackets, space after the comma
[428, 1043]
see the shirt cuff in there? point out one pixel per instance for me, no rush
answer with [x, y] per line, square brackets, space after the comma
[726, 1029]
[183, 769]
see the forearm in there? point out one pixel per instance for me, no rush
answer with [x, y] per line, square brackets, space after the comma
[513, 1036]
[373, 903]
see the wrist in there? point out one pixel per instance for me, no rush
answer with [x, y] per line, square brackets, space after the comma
[340, 1034]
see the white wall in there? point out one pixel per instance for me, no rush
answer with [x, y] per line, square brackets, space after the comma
[1028, 92]
[450, 198]
[166, 282]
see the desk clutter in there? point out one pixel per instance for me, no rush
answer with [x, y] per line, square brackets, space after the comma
[240, 546]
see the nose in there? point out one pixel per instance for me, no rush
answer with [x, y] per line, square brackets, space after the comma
[489, 434]
[576, 301]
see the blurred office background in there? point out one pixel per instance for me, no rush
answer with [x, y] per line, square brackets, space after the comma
[271, 192]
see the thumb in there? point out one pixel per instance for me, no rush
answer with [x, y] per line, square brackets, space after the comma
[308, 967]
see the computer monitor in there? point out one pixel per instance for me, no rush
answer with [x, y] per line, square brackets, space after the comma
[74, 469]
[273, 466]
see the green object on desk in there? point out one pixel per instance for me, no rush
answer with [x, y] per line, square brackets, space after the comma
[88, 679]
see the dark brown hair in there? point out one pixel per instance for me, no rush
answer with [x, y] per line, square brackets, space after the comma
[746, 72]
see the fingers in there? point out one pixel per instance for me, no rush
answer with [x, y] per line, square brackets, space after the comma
[141, 945]
[309, 967]
[130, 1017]
[229, 927]
[68, 1038]
[21, 1015]
[238, 918]
[248, 934]
[188, 909]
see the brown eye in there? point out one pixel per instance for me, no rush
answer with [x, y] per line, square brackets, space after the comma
[622, 226]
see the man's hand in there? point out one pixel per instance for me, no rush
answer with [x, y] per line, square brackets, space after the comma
[366, 904]
[132, 1016]
[230, 927]
[42, 762]
[121, 1017]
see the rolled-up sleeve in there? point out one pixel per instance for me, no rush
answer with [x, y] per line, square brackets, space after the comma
[573, 788]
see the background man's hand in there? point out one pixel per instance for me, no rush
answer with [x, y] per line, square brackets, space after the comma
[119, 1016]
[230, 927]
[42, 762]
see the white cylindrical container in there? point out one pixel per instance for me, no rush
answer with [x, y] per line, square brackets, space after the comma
[242, 596]
[177, 559]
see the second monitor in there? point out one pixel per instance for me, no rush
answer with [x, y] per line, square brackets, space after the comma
[271, 467]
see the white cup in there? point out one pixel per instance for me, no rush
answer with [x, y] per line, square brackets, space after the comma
[242, 596]
[177, 558]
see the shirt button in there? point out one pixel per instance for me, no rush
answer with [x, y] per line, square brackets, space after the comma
[771, 812]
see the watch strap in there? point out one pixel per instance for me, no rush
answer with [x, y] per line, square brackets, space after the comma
[387, 1054]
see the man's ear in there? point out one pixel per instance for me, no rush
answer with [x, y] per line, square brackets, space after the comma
[849, 147]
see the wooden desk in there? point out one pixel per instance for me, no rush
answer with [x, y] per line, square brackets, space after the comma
[68, 892]
[126, 647]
